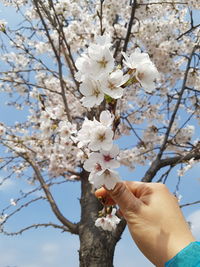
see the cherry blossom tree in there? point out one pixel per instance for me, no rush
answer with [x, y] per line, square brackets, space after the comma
[90, 73]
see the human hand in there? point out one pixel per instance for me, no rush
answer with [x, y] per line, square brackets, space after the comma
[154, 218]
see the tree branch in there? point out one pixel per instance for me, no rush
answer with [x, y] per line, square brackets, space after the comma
[63, 228]
[68, 57]
[177, 104]
[189, 204]
[23, 206]
[156, 164]
[130, 24]
[188, 31]
[73, 228]
[57, 58]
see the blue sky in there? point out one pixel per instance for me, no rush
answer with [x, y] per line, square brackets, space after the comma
[49, 247]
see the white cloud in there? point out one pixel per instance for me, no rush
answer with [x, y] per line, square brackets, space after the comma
[33, 251]
[194, 219]
[49, 248]
[50, 253]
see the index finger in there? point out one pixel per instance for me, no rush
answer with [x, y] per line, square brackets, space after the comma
[103, 195]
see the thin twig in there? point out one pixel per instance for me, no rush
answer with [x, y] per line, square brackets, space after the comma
[58, 60]
[156, 164]
[63, 228]
[73, 228]
[130, 24]
[189, 204]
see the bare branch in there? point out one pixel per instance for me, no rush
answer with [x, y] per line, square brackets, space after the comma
[156, 164]
[57, 58]
[35, 226]
[170, 162]
[68, 57]
[73, 228]
[190, 204]
[177, 105]
[100, 15]
[188, 31]
[23, 206]
[163, 2]
[130, 24]
[134, 131]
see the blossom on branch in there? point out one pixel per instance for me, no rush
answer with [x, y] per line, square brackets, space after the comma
[96, 134]
[106, 159]
[112, 84]
[102, 61]
[109, 222]
[107, 178]
[142, 68]
[93, 94]
[106, 118]
[101, 138]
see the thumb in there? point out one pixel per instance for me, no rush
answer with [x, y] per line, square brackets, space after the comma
[125, 199]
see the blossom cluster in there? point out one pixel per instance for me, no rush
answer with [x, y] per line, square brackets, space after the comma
[98, 136]
[99, 75]
[108, 222]
[188, 166]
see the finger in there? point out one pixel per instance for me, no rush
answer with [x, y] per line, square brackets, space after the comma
[120, 213]
[139, 189]
[103, 195]
[125, 198]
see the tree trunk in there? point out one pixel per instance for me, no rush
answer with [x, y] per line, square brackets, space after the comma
[96, 245]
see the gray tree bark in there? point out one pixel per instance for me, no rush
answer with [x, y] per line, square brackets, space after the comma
[96, 245]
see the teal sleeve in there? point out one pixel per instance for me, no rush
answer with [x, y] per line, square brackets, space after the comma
[189, 256]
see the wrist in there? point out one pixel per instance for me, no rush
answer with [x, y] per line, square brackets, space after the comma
[176, 245]
[188, 256]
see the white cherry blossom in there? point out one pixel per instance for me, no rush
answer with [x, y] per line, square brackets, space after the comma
[143, 69]
[106, 118]
[102, 160]
[111, 85]
[66, 129]
[109, 222]
[96, 134]
[135, 58]
[104, 40]
[13, 202]
[101, 138]
[108, 158]
[102, 61]
[85, 133]
[92, 164]
[107, 178]
[184, 135]
[83, 64]
[146, 74]
[97, 62]
[93, 94]
[188, 166]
